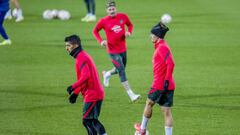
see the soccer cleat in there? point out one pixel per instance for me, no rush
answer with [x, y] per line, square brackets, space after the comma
[139, 131]
[91, 18]
[135, 97]
[84, 19]
[105, 79]
[6, 42]
[19, 19]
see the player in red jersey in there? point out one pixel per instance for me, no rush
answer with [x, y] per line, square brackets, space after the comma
[87, 84]
[114, 26]
[163, 86]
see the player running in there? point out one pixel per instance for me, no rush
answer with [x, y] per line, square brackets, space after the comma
[114, 27]
[163, 85]
[87, 84]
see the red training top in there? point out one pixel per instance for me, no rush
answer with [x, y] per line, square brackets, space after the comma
[163, 65]
[114, 28]
[88, 82]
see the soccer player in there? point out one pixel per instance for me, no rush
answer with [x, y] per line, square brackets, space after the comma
[87, 84]
[90, 17]
[163, 85]
[18, 14]
[114, 27]
[4, 7]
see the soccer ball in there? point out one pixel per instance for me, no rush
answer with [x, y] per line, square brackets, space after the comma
[14, 12]
[166, 18]
[137, 133]
[54, 13]
[47, 14]
[63, 15]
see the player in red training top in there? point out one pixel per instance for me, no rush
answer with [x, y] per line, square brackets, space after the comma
[163, 85]
[114, 26]
[87, 84]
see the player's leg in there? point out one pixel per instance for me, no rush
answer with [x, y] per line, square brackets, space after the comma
[19, 13]
[91, 111]
[117, 61]
[88, 116]
[97, 124]
[88, 124]
[147, 114]
[166, 104]
[92, 16]
[109, 73]
[93, 6]
[3, 33]
[125, 83]
[87, 2]
[168, 120]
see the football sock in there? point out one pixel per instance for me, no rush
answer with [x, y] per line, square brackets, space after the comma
[168, 130]
[144, 122]
[127, 88]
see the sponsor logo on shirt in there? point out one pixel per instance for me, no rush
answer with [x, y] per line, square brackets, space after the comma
[116, 28]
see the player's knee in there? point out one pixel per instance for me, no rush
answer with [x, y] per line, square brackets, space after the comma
[167, 112]
[149, 103]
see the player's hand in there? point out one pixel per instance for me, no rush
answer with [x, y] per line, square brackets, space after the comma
[128, 34]
[73, 98]
[166, 84]
[104, 43]
[70, 90]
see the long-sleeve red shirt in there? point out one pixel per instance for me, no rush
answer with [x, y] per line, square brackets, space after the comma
[114, 28]
[163, 66]
[88, 82]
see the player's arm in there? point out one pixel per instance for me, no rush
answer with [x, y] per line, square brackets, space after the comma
[96, 34]
[130, 26]
[84, 69]
[85, 74]
[167, 57]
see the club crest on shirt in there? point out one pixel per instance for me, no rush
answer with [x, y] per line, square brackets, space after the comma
[121, 21]
[116, 28]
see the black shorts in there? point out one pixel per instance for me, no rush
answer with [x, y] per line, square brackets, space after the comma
[162, 98]
[91, 110]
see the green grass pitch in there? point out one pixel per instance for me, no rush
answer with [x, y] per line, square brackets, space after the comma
[204, 37]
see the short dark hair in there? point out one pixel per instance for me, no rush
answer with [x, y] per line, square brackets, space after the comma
[73, 39]
[110, 3]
